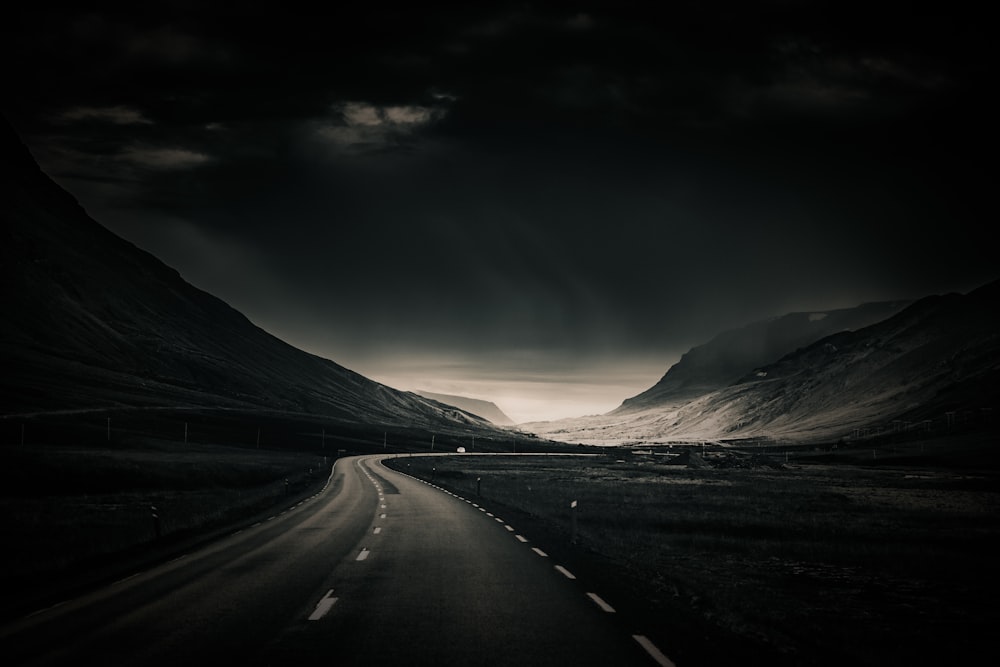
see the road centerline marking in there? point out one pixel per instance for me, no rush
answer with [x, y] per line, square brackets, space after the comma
[521, 538]
[653, 652]
[539, 552]
[601, 603]
[364, 554]
[564, 572]
[323, 606]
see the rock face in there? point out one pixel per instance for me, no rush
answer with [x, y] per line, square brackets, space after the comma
[90, 320]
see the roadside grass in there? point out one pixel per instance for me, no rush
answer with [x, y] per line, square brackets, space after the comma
[65, 507]
[819, 563]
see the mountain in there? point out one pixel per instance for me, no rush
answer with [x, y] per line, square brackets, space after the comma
[484, 409]
[733, 353]
[931, 363]
[91, 321]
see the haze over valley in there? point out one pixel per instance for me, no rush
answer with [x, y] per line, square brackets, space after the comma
[536, 206]
[511, 333]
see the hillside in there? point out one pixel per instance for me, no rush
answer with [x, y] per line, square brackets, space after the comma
[485, 409]
[934, 362]
[733, 353]
[91, 321]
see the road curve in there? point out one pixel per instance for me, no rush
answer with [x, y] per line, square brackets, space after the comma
[377, 569]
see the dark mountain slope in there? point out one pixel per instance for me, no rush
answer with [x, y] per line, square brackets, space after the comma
[733, 353]
[941, 354]
[485, 409]
[934, 361]
[92, 321]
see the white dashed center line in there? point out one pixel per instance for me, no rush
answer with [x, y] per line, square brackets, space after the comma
[601, 603]
[540, 552]
[653, 652]
[363, 555]
[323, 606]
[521, 538]
[564, 572]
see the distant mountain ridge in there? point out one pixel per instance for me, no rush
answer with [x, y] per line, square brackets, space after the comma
[485, 409]
[936, 359]
[731, 354]
[93, 321]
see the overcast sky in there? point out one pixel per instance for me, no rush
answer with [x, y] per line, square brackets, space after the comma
[542, 205]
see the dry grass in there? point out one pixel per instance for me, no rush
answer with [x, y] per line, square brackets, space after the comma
[65, 506]
[821, 564]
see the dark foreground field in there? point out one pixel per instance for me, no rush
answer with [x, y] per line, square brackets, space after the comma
[73, 515]
[856, 556]
[810, 562]
[90, 495]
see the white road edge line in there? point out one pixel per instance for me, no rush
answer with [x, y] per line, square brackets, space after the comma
[601, 603]
[120, 581]
[323, 606]
[654, 652]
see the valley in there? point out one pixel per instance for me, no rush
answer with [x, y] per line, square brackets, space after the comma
[826, 559]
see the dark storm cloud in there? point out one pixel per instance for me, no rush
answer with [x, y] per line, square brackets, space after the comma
[518, 180]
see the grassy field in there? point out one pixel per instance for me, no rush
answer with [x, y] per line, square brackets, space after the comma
[811, 562]
[69, 509]
[78, 488]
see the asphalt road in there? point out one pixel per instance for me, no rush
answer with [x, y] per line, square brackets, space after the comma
[377, 569]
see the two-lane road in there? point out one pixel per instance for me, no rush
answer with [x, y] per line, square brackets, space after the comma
[377, 569]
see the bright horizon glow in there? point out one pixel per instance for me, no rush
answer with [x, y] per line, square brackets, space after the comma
[524, 402]
[528, 397]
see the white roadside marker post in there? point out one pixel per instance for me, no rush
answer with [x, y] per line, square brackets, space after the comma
[572, 511]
